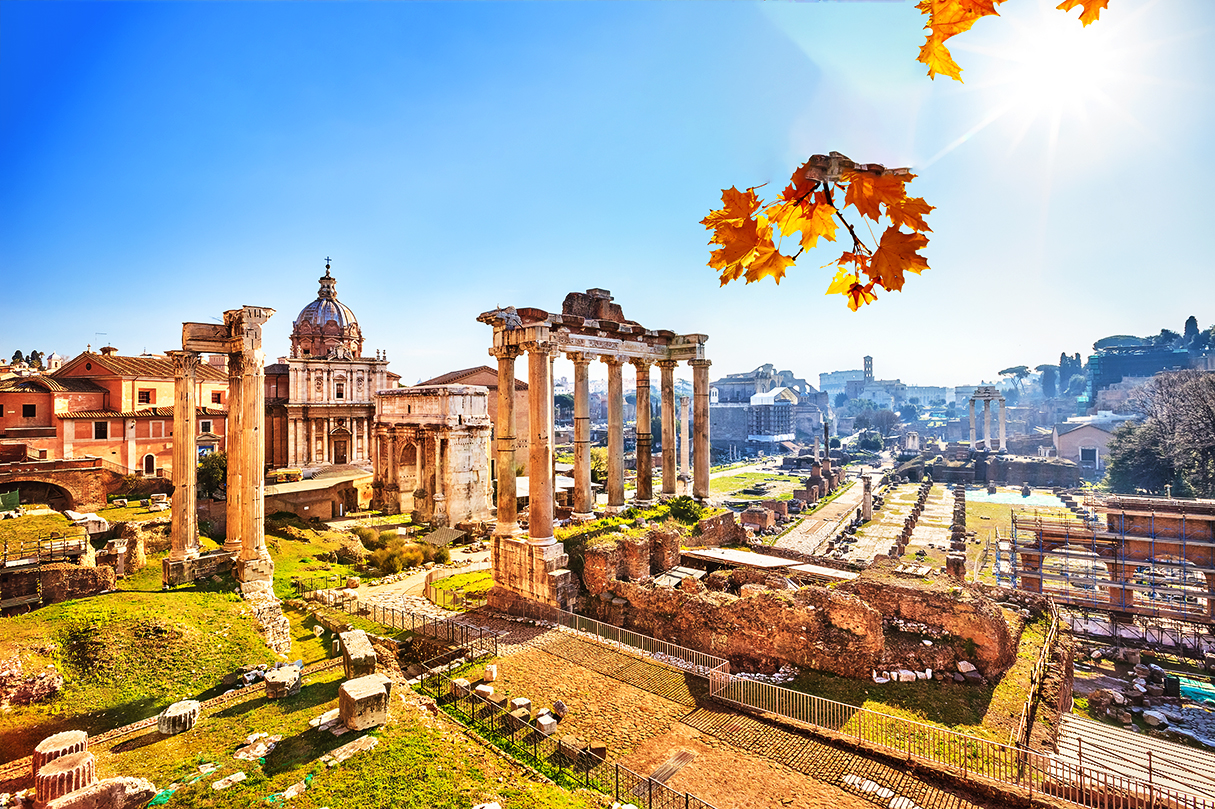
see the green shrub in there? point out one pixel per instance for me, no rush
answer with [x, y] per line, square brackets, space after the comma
[685, 509]
[371, 538]
[442, 556]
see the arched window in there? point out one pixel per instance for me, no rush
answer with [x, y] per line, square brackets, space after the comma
[149, 464]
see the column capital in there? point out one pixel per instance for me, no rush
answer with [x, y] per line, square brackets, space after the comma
[578, 357]
[541, 347]
[185, 363]
[238, 364]
[641, 364]
[701, 363]
[505, 352]
[612, 360]
[667, 363]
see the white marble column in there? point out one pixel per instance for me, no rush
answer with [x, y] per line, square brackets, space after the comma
[185, 456]
[972, 425]
[667, 394]
[584, 501]
[645, 473]
[700, 428]
[615, 448]
[987, 424]
[540, 446]
[504, 434]
[1003, 426]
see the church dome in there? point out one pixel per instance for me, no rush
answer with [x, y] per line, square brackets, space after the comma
[326, 327]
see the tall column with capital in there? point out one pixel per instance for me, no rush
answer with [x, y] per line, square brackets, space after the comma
[700, 428]
[234, 509]
[1003, 426]
[615, 447]
[185, 456]
[972, 424]
[584, 501]
[987, 424]
[540, 446]
[667, 394]
[645, 474]
[253, 458]
[684, 453]
[504, 432]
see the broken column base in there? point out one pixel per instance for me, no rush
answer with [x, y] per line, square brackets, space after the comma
[524, 572]
[115, 793]
[363, 701]
[260, 569]
[176, 572]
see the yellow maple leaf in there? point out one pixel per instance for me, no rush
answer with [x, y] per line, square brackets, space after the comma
[737, 243]
[737, 207]
[896, 255]
[812, 220]
[843, 281]
[860, 294]
[1092, 8]
[767, 261]
[866, 191]
[948, 18]
[910, 211]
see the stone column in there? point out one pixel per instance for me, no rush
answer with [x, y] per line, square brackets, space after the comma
[669, 440]
[540, 447]
[867, 498]
[987, 424]
[255, 563]
[684, 454]
[584, 500]
[1003, 426]
[234, 534]
[615, 447]
[700, 428]
[504, 430]
[972, 424]
[185, 456]
[645, 472]
[290, 441]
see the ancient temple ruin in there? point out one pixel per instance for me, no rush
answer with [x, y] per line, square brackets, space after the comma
[240, 338]
[590, 327]
[987, 394]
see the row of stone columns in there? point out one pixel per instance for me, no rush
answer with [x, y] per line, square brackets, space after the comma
[540, 444]
[987, 424]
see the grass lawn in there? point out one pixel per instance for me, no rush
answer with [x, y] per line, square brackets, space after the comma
[298, 554]
[735, 483]
[988, 712]
[133, 513]
[479, 581]
[38, 526]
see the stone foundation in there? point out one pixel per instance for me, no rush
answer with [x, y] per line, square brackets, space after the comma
[268, 611]
[721, 530]
[531, 572]
[186, 571]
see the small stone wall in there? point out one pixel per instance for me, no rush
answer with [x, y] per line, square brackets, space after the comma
[713, 532]
[268, 611]
[62, 581]
[532, 572]
[629, 558]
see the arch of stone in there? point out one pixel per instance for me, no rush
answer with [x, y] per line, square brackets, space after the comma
[240, 337]
[589, 327]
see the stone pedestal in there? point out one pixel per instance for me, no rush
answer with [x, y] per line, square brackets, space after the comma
[363, 702]
[64, 775]
[110, 793]
[178, 717]
[955, 566]
[358, 655]
[282, 682]
[530, 572]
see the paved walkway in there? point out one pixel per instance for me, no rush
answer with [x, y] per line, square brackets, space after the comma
[812, 534]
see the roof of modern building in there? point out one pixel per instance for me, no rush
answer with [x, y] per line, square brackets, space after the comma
[146, 413]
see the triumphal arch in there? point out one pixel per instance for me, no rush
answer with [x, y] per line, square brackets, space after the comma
[590, 327]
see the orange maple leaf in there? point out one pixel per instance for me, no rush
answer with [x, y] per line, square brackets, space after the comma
[737, 243]
[948, 18]
[737, 207]
[849, 283]
[910, 211]
[812, 219]
[866, 191]
[1092, 8]
[767, 261]
[896, 254]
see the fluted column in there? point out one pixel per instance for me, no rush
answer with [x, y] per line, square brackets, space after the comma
[185, 456]
[667, 393]
[236, 420]
[972, 425]
[700, 428]
[685, 454]
[290, 425]
[504, 430]
[253, 457]
[540, 446]
[615, 447]
[1003, 426]
[645, 474]
[584, 501]
[987, 424]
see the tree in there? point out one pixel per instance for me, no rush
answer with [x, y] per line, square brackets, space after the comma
[909, 412]
[1050, 377]
[809, 205]
[884, 421]
[1016, 373]
[1076, 385]
[213, 474]
[34, 358]
[1117, 341]
[1166, 337]
[1191, 329]
[18, 357]
[841, 399]
[948, 18]
[599, 464]
[563, 405]
[863, 421]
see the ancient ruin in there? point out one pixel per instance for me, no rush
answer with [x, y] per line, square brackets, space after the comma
[987, 394]
[589, 327]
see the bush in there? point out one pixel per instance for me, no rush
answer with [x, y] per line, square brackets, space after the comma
[396, 555]
[685, 509]
[442, 556]
[370, 538]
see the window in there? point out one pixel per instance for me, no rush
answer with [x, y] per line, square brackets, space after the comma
[1088, 455]
[339, 391]
[204, 426]
[29, 411]
[217, 397]
[101, 430]
[145, 397]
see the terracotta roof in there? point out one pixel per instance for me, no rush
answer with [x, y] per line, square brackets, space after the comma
[146, 413]
[453, 377]
[152, 367]
[50, 383]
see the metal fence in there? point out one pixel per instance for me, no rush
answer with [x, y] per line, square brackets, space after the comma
[557, 755]
[56, 546]
[474, 641]
[455, 600]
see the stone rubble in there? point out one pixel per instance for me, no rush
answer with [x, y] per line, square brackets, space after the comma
[268, 611]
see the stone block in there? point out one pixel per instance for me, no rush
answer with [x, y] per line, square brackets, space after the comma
[547, 724]
[484, 691]
[560, 709]
[518, 718]
[460, 687]
[111, 793]
[965, 666]
[498, 702]
[61, 744]
[282, 682]
[1155, 718]
[318, 630]
[597, 752]
[491, 673]
[352, 583]
[65, 774]
[178, 717]
[520, 702]
[363, 702]
[358, 655]
[571, 747]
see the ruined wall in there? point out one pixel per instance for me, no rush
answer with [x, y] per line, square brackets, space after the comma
[814, 627]
[965, 614]
[62, 581]
[713, 532]
[629, 558]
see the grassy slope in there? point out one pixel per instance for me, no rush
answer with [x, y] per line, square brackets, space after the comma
[479, 581]
[21, 529]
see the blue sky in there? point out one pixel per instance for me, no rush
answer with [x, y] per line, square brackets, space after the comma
[162, 162]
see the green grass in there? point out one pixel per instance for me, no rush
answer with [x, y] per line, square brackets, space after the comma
[133, 513]
[480, 581]
[302, 557]
[735, 483]
[37, 526]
